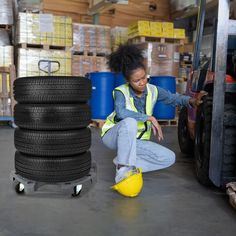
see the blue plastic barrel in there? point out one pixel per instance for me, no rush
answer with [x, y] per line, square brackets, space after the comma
[101, 102]
[119, 79]
[162, 111]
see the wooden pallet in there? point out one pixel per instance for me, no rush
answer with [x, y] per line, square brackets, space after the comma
[45, 47]
[6, 27]
[142, 39]
[88, 53]
[173, 122]
[231, 192]
[97, 123]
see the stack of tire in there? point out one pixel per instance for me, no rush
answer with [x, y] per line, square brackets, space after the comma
[52, 138]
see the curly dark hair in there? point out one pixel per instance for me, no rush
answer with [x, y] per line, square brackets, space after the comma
[126, 59]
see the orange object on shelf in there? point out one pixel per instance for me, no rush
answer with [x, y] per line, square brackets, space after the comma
[230, 79]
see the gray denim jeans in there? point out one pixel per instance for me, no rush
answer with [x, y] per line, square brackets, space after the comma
[143, 154]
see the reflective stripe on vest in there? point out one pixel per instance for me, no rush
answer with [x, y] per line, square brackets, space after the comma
[144, 128]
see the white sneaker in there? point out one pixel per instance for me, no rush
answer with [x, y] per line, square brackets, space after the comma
[115, 161]
[122, 173]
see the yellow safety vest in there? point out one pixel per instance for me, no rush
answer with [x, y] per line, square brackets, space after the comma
[144, 128]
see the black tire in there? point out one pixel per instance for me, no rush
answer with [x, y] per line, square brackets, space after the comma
[229, 162]
[186, 144]
[52, 143]
[52, 89]
[203, 141]
[51, 169]
[52, 117]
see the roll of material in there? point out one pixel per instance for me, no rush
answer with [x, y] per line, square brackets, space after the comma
[4, 38]
[30, 5]
[6, 12]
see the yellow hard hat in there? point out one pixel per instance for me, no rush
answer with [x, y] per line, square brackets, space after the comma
[132, 185]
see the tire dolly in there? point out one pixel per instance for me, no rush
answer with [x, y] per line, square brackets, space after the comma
[75, 188]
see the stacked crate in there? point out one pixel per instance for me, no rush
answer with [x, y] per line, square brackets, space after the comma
[43, 37]
[139, 28]
[160, 43]
[91, 45]
[119, 35]
[103, 40]
[84, 38]
[142, 31]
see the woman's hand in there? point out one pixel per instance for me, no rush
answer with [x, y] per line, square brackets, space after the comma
[156, 127]
[195, 102]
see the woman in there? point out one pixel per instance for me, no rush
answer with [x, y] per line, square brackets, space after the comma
[128, 128]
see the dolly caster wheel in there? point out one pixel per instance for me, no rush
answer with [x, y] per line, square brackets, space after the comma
[19, 188]
[77, 190]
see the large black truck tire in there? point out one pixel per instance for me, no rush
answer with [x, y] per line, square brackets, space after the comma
[186, 144]
[51, 169]
[203, 141]
[52, 89]
[52, 116]
[52, 143]
[229, 162]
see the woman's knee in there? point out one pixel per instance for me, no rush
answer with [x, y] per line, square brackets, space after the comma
[130, 124]
[171, 157]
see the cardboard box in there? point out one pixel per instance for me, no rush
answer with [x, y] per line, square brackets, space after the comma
[168, 33]
[84, 37]
[119, 35]
[81, 65]
[156, 29]
[167, 25]
[28, 60]
[103, 39]
[161, 58]
[140, 28]
[179, 33]
[6, 56]
[44, 29]
[91, 38]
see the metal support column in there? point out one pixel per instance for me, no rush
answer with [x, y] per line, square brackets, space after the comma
[200, 26]
[217, 131]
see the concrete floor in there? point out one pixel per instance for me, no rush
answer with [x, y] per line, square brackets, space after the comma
[172, 202]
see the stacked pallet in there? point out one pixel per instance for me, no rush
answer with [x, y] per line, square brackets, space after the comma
[44, 29]
[91, 45]
[91, 39]
[161, 59]
[44, 37]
